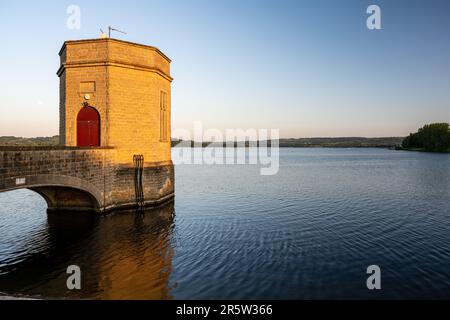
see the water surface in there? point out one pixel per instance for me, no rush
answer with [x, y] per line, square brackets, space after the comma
[308, 232]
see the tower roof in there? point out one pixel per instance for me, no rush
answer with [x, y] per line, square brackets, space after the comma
[99, 40]
[113, 52]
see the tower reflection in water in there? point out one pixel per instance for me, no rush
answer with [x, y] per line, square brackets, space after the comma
[126, 255]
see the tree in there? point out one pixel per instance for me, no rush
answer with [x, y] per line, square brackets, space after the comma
[433, 137]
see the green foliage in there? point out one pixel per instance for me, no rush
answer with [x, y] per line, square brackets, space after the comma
[433, 137]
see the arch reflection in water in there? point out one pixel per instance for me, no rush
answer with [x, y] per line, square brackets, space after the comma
[124, 255]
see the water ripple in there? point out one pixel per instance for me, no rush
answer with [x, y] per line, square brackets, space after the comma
[308, 232]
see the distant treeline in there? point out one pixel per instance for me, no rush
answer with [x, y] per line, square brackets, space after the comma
[433, 137]
[39, 141]
[349, 142]
[352, 142]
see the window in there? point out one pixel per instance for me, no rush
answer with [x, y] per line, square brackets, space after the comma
[163, 120]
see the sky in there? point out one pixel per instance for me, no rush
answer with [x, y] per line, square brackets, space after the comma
[308, 68]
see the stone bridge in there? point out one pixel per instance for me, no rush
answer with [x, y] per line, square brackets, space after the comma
[85, 178]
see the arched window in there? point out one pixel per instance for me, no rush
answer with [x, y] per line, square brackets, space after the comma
[88, 127]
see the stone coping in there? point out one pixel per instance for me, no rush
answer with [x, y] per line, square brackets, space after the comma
[115, 40]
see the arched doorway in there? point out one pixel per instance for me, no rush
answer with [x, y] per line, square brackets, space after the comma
[88, 127]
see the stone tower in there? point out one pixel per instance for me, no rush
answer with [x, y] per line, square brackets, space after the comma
[128, 86]
[115, 111]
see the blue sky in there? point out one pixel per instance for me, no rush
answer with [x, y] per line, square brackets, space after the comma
[309, 68]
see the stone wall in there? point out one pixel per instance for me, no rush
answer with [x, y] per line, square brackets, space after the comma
[82, 178]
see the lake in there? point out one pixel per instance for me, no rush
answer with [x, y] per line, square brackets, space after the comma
[309, 232]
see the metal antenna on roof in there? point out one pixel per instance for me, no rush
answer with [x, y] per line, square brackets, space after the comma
[113, 29]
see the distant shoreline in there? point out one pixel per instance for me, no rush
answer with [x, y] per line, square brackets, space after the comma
[340, 142]
[420, 150]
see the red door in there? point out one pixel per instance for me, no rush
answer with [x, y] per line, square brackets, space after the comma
[88, 128]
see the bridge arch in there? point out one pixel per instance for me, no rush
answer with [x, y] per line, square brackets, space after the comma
[64, 193]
